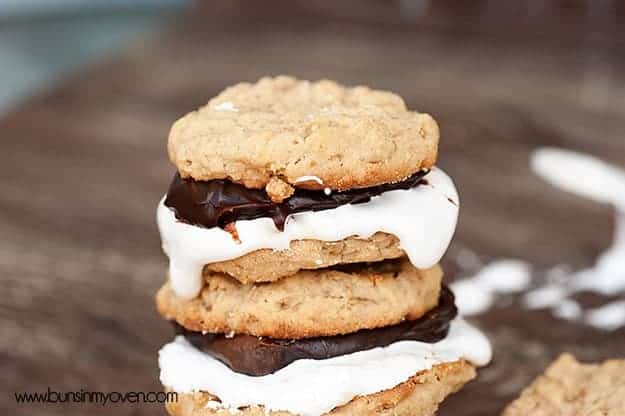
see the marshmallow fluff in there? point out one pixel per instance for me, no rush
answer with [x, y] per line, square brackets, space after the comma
[313, 387]
[423, 218]
[602, 182]
[476, 294]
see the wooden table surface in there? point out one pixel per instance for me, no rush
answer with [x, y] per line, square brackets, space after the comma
[82, 169]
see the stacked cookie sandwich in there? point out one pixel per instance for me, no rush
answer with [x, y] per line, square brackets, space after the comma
[304, 228]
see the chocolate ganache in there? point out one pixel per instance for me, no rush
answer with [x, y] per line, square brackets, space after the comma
[259, 356]
[217, 203]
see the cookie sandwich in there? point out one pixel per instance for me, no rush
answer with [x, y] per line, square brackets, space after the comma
[304, 227]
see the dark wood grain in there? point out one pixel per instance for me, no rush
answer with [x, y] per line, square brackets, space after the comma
[82, 168]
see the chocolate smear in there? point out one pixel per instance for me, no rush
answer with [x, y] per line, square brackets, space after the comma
[217, 203]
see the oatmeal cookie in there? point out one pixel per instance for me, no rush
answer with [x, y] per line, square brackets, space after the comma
[282, 132]
[307, 304]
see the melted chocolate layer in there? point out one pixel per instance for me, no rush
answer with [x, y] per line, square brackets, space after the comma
[219, 202]
[259, 356]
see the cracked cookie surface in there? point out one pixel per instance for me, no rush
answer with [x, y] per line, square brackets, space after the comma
[309, 303]
[569, 388]
[283, 132]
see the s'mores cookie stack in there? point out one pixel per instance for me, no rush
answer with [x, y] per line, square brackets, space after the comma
[304, 228]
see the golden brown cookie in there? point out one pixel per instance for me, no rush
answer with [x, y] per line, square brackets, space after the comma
[309, 303]
[268, 265]
[420, 395]
[312, 135]
[569, 388]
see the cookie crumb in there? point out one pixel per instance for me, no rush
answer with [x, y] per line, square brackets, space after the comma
[278, 190]
[232, 229]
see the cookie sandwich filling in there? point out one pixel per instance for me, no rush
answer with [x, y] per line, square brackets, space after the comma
[207, 222]
[218, 203]
[311, 387]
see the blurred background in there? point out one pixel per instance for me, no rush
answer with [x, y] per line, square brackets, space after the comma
[89, 89]
[43, 41]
